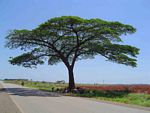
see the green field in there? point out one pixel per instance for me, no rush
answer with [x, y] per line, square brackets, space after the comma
[121, 97]
[114, 96]
[39, 85]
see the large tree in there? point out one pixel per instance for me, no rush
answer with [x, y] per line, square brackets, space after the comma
[68, 39]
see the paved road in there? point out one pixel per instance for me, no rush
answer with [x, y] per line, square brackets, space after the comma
[34, 101]
[6, 103]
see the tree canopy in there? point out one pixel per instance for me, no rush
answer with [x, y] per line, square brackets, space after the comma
[70, 38]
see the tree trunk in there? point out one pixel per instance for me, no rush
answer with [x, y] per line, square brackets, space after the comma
[71, 79]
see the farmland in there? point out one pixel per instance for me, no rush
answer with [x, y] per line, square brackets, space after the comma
[129, 94]
[130, 88]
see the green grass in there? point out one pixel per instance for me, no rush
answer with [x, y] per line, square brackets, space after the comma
[121, 97]
[39, 85]
[114, 96]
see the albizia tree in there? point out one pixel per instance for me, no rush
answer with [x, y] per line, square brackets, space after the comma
[68, 39]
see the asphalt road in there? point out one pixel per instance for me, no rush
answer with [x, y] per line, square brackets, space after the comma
[6, 103]
[35, 101]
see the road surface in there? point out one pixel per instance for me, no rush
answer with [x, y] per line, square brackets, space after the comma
[35, 101]
[6, 103]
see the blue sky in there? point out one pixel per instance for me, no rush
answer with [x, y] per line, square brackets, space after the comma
[28, 14]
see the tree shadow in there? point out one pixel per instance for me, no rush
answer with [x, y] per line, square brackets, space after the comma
[29, 92]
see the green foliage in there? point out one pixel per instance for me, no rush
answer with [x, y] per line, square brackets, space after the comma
[70, 38]
[26, 60]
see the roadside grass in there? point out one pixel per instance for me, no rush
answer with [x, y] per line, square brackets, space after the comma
[114, 96]
[118, 96]
[39, 85]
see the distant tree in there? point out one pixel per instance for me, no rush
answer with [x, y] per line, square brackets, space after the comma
[68, 39]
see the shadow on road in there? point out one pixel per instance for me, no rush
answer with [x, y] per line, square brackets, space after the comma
[29, 92]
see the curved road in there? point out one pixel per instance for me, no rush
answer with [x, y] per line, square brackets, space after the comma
[35, 101]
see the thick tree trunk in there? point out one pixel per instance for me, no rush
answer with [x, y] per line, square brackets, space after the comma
[71, 79]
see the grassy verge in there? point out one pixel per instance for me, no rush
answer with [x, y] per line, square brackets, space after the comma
[114, 96]
[39, 85]
[117, 96]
